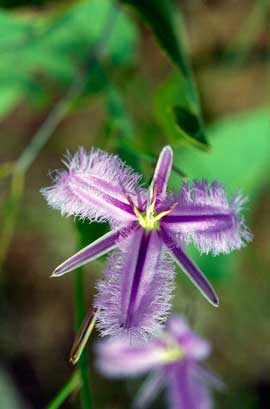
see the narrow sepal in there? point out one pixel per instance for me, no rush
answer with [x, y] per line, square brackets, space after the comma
[96, 249]
[149, 390]
[190, 268]
[119, 357]
[163, 170]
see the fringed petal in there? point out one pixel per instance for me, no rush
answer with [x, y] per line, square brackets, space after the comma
[96, 185]
[193, 346]
[190, 268]
[187, 389]
[117, 357]
[135, 295]
[206, 217]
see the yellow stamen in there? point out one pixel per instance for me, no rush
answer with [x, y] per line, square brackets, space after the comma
[162, 214]
[149, 220]
[173, 353]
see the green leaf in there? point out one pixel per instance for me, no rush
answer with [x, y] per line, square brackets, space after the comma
[189, 126]
[239, 153]
[239, 159]
[60, 46]
[9, 97]
[172, 113]
[118, 121]
[159, 15]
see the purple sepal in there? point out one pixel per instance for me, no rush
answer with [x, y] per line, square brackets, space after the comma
[163, 170]
[96, 249]
[190, 269]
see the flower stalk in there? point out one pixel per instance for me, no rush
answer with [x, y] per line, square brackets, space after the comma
[86, 399]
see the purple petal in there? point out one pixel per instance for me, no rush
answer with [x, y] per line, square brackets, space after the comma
[205, 216]
[94, 250]
[163, 170]
[180, 391]
[188, 388]
[190, 269]
[118, 357]
[194, 347]
[210, 378]
[149, 390]
[135, 295]
[201, 387]
[96, 185]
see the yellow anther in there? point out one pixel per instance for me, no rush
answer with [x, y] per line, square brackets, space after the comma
[149, 220]
[173, 353]
[162, 214]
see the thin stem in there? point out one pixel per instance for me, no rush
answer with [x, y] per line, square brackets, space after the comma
[62, 108]
[67, 389]
[83, 362]
[46, 130]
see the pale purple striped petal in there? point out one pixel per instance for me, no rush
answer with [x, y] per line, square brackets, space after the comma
[135, 295]
[149, 390]
[118, 357]
[205, 216]
[95, 185]
[180, 392]
[163, 170]
[189, 268]
[188, 388]
[96, 249]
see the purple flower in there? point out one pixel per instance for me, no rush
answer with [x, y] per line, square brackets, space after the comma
[150, 228]
[173, 360]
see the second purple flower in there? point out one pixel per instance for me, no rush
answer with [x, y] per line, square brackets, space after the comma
[150, 229]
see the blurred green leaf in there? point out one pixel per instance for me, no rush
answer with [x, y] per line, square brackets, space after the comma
[10, 398]
[159, 15]
[239, 159]
[9, 96]
[61, 47]
[118, 121]
[239, 153]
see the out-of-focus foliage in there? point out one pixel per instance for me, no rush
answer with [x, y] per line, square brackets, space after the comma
[239, 155]
[160, 16]
[59, 46]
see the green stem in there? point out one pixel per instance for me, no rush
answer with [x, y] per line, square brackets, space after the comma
[67, 389]
[86, 399]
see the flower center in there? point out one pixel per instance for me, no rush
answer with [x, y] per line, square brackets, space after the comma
[173, 353]
[148, 221]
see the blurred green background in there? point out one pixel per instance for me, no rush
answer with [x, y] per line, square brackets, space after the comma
[91, 73]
